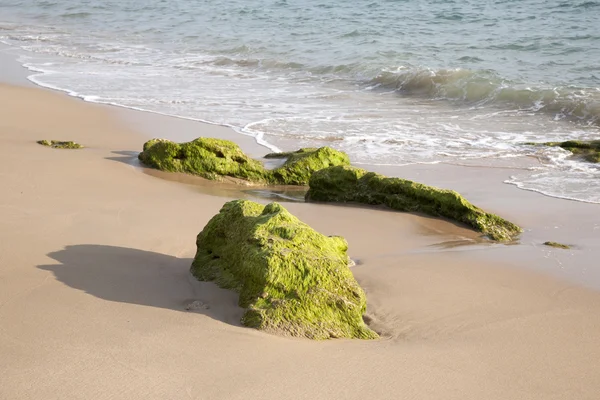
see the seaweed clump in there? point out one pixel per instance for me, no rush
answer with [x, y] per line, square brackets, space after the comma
[350, 184]
[216, 158]
[56, 144]
[292, 280]
[557, 245]
[588, 150]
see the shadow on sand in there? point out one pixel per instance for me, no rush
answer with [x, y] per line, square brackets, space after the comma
[126, 157]
[142, 277]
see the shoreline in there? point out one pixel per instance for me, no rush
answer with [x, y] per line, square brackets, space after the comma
[24, 75]
[518, 163]
[95, 256]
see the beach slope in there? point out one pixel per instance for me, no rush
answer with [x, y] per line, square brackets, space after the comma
[97, 302]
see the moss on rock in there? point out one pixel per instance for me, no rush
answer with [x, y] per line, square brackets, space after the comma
[301, 164]
[152, 142]
[557, 245]
[589, 151]
[205, 157]
[287, 154]
[350, 184]
[57, 144]
[217, 158]
[291, 279]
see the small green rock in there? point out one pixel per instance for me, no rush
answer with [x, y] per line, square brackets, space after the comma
[350, 184]
[56, 144]
[557, 245]
[292, 280]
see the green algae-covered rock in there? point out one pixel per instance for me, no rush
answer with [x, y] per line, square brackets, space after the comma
[217, 158]
[205, 157]
[57, 144]
[349, 184]
[287, 154]
[301, 164]
[589, 151]
[557, 245]
[152, 142]
[291, 279]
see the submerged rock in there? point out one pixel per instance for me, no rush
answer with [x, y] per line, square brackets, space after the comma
[56, 144]
[292, 280]
[589, 151]
[217, 158]
[350, 184]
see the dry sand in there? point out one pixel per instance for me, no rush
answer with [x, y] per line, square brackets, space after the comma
[94, 284]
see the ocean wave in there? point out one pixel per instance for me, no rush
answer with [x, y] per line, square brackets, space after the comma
[76, 15]
[480, 88]
[486, 88]
[588, 4]
[253, 63]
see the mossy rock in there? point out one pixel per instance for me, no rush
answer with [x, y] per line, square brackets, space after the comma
[589, 151]
[557, 245]
[291, 279]
[350, 184]
[152, 142]
[205, 157]
[57, 144]
[287, 154]
[217, 158]
[301, 164]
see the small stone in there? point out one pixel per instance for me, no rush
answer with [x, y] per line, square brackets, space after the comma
[557, 245]
[196, 305]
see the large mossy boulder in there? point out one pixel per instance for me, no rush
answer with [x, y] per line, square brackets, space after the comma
[217, 158]
[590, 151]
[205, 157]
[349, 184]
[301, 164]
[291, 279]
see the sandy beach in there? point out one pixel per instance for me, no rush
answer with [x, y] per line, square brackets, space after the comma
[94, 282]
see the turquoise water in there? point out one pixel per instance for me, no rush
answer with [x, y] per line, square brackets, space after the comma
[390, 82]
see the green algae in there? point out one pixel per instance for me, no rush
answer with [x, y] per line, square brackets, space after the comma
[217, 158]
[152, 142]
[350, 184]
[291, 279]
[301, 164]
[57, 144]
[588, 150]
[557, 245]
[287, 154]
[205, 157]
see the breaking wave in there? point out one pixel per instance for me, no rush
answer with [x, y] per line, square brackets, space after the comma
[483, 88]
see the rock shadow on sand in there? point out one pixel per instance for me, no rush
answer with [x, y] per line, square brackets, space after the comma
[126, 157]
[144, 278]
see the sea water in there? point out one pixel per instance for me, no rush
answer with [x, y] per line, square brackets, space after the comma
[390, 82]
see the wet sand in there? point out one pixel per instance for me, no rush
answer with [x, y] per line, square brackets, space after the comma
[94, 283]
